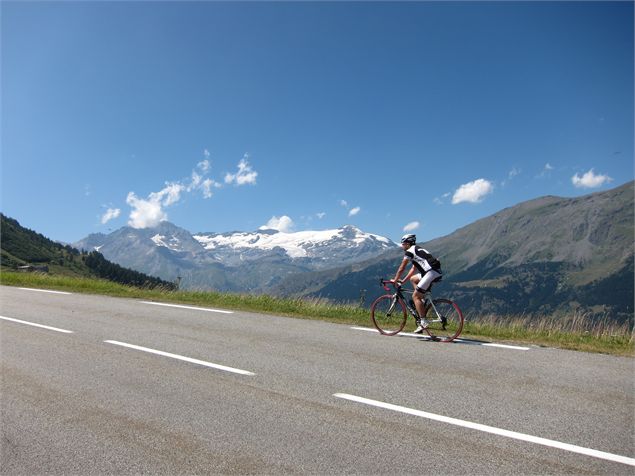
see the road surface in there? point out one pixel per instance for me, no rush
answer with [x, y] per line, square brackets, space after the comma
[95, 385]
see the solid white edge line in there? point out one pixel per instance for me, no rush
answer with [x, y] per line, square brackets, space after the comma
[503, 346]
[180, 357]
[187, 307]
[45, 291]
[64, 331]
[490, 429]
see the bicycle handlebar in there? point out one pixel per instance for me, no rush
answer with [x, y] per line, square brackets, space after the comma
[383, 283]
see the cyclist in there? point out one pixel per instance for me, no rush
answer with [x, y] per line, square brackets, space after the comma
[425, 270]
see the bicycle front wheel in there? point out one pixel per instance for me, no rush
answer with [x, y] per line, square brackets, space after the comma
[445, 320]
[388, 314]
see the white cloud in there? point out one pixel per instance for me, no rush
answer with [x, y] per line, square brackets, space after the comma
[413, 225]
[472, 192]
[283, 224]
[206, 187]
[546, 171]
[170, 194]
[590, 180]
[351, 211]
[320, 215]
[145, 213]
[110, 214]
[205, 165]
[441, 200]
[149, 212]
[245, 175]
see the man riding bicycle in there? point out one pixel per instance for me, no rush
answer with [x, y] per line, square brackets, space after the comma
[425, 270]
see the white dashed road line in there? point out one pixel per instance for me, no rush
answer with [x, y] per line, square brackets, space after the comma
[490, 429]
[36, 325]
[187, 307]
[180, 357]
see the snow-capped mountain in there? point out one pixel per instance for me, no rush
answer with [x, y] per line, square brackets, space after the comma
[318, 248]
[234, 261]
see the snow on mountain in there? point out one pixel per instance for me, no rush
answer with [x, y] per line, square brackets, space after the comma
[301, 244]
[172, 243]
[234, 261]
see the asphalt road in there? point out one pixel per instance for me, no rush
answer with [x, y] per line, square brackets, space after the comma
[133, 387]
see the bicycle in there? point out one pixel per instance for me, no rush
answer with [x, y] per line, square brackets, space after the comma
[389, 314]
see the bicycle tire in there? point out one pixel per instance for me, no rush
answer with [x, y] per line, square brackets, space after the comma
[450, 329]
[386, 320]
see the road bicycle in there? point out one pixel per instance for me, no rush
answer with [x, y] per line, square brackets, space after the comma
[389, 314]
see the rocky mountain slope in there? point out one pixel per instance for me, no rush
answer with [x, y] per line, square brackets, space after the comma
[238, 261]
[548, 255]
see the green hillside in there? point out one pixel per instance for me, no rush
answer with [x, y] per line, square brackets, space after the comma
[20, 247]
[548, 256]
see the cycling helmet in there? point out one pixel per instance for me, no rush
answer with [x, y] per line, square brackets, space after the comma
[410, 239]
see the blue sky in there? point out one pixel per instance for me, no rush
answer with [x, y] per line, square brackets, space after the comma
[393, 117]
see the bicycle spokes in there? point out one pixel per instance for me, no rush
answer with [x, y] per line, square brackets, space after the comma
[388, 315]
[445, 319]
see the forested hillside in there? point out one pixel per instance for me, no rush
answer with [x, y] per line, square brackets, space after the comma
[20, 246]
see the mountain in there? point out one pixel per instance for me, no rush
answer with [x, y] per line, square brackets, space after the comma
[237, 261]
[21, 247]
[548, 255]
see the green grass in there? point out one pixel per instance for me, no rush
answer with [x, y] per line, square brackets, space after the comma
[574, 332]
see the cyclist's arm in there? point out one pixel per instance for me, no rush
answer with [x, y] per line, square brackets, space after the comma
[410, 273]
[402, 266]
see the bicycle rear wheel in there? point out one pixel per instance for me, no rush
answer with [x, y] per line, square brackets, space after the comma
[388, 314]
[446, 323]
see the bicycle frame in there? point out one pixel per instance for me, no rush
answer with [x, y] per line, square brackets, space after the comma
[427, 301]
[442, 319]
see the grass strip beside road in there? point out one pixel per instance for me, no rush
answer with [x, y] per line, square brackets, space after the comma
[542, 331]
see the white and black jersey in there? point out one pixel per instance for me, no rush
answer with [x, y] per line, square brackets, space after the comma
[422, 260]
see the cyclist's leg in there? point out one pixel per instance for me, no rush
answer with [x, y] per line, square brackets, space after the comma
[425, 282]
[417, 297]
[423, 286]
[415, 280]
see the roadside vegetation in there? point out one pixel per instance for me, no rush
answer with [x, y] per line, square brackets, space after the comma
[576, 332]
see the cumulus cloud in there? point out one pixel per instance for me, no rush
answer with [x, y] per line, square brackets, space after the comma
[472, 192]
[245, 175]
[149, 212]
[283, 224]
[320, 215]
[412, 226]
[110, 214]
[590, 180]
[146, 213]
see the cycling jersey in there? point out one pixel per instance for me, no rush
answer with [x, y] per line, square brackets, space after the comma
[422, 260]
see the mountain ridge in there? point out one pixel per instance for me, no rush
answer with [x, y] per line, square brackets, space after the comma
[234, 261]
[546, 255]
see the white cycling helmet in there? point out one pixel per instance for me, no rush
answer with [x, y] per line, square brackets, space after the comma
[410, 239]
